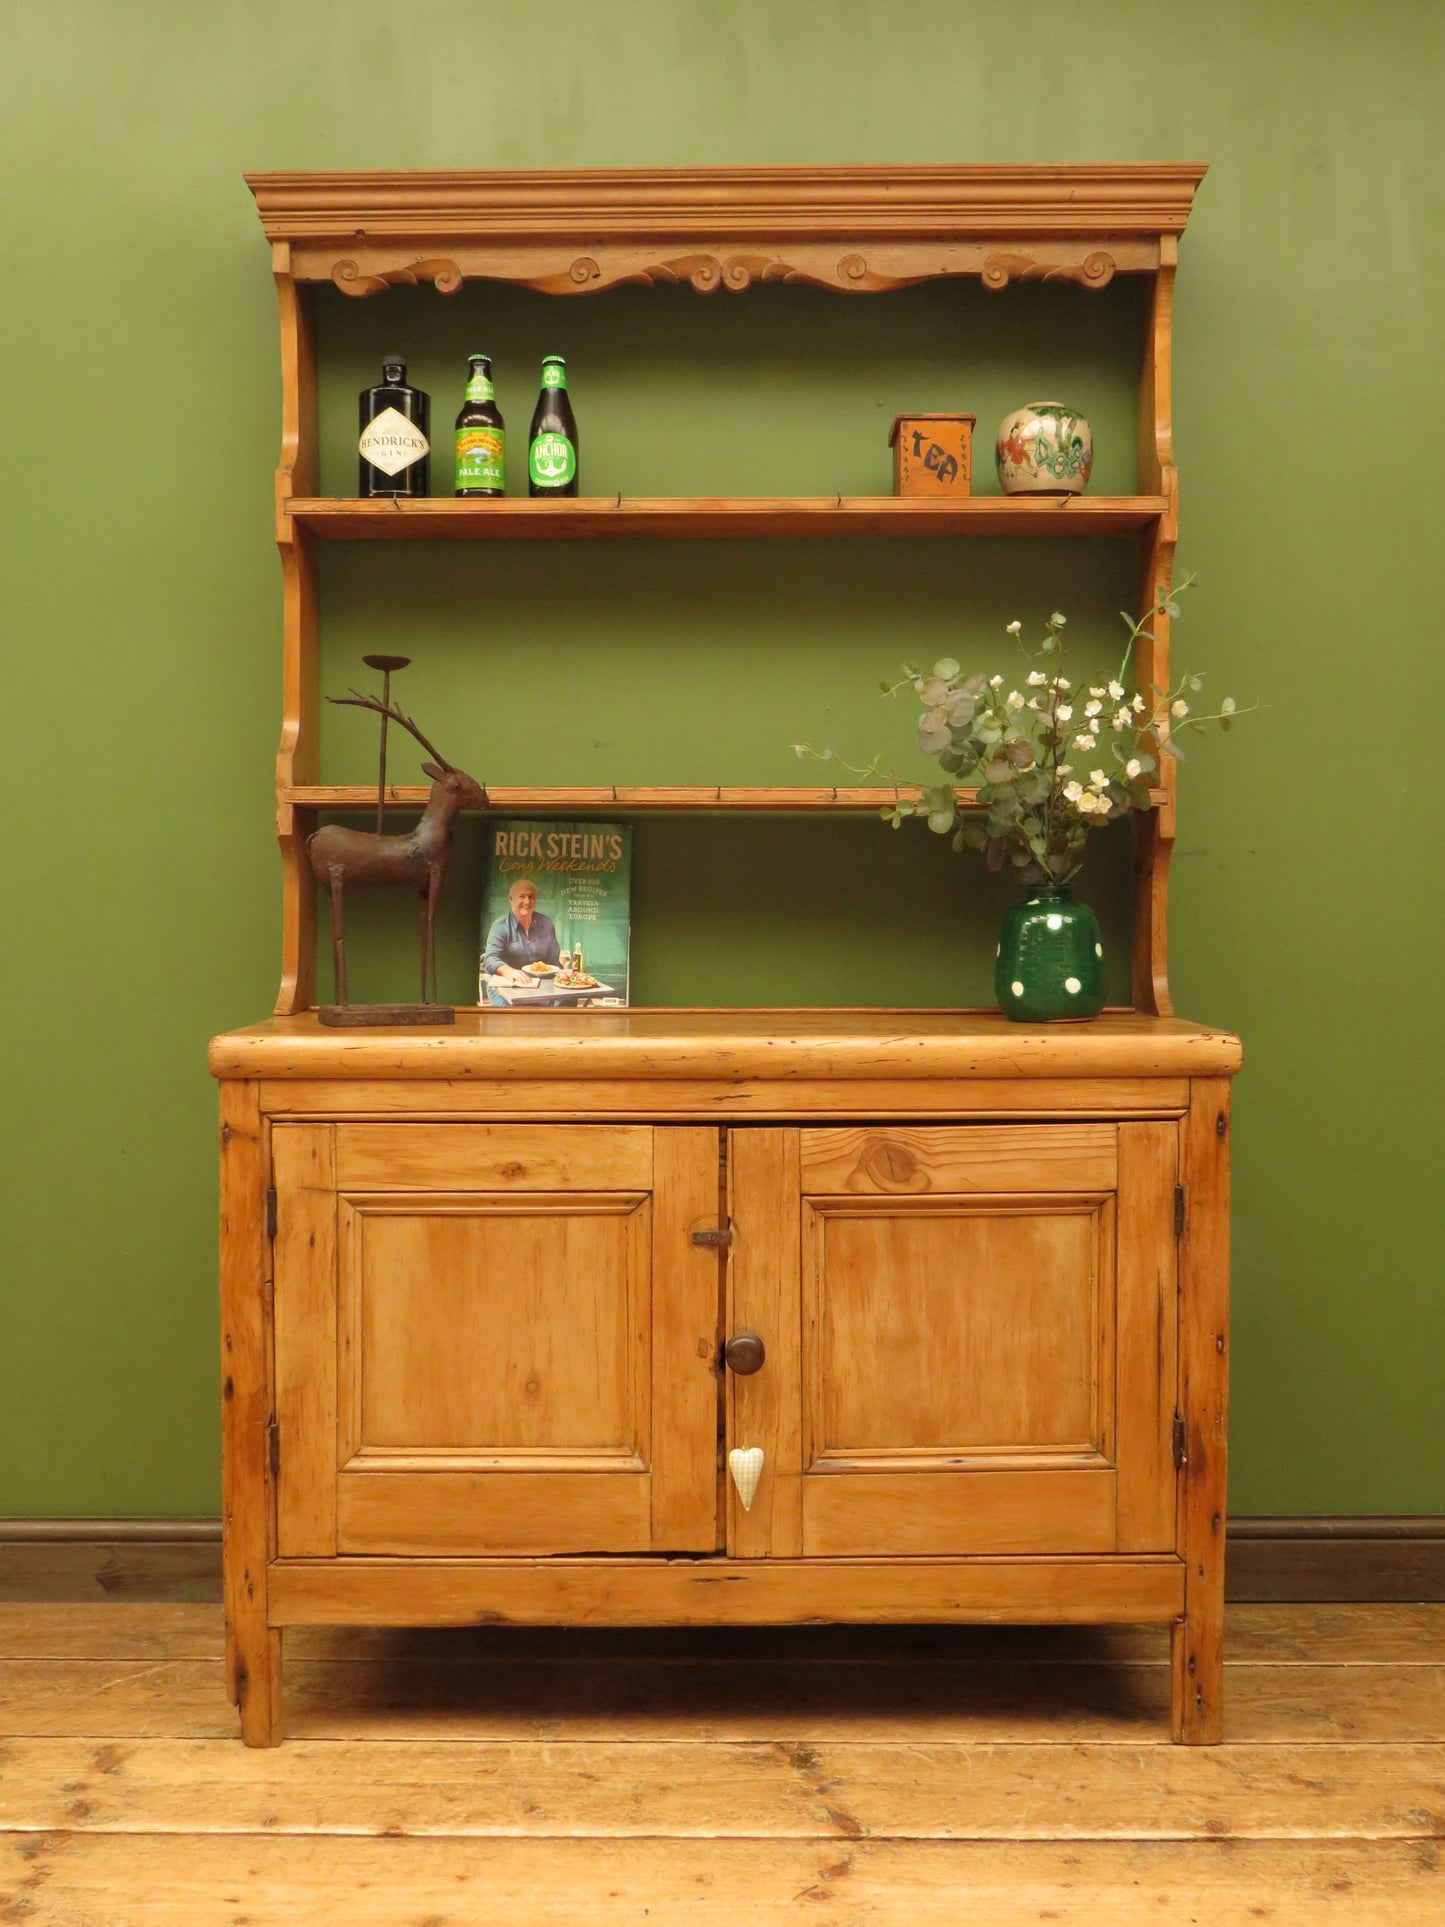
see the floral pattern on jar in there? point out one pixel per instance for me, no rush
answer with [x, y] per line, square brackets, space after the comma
[1044, 448]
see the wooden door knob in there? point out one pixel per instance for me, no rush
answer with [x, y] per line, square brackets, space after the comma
[744, 1353]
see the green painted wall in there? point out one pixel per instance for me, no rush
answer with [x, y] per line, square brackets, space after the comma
[141, 614]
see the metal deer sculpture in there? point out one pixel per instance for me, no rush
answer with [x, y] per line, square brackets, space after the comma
[419, 860]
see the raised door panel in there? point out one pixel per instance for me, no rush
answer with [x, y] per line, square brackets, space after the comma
[484, 1338]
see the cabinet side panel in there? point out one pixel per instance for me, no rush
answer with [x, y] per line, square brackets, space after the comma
[686, 1337]
[303, 1158]
[253, 1649]
[765, 1408]
[1198, 1642]
[1147, 1335]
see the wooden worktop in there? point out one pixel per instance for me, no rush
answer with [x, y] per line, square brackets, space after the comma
[730, 1044]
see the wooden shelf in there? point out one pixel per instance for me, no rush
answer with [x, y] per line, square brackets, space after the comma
[590, 517]
[514, 799]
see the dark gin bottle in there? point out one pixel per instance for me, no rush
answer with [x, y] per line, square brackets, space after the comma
[481, 434]
[395, 427]
[552, 443]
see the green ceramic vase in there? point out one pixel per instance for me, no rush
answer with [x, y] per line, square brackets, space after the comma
[1050, 959]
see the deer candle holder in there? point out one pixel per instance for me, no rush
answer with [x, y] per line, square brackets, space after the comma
[419, 860]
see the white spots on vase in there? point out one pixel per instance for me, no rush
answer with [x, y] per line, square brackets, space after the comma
[1054, 920]
[1017, 988]
[1098, 950]
[998, 950]
[1073, 986]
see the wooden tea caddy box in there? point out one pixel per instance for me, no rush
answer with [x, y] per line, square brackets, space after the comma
[963, 1281]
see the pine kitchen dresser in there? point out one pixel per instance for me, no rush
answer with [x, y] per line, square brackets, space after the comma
[498, 1301]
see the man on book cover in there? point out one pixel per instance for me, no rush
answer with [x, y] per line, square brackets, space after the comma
[521, 935]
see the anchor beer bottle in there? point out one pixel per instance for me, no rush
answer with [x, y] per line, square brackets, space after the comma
[394, 446]
[552, 442]
[481, 434]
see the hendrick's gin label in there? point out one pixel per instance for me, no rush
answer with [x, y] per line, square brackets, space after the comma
[394, 443]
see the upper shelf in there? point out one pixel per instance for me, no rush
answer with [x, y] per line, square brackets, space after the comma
[708, 517]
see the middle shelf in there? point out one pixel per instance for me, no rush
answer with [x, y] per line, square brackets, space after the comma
[703, 517]
[506, 799]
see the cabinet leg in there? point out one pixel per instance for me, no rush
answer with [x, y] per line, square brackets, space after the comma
[258, 1688]
[1196, 1676]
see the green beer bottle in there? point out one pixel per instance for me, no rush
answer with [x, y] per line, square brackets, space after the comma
[481, 434]
[552, 443]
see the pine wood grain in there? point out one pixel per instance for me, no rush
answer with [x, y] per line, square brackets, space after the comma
[1261, 1635]
[719, 1789]
[63, 1879]
[253, 1659]
[994, 1701]
[721, 1046]
[712, 518]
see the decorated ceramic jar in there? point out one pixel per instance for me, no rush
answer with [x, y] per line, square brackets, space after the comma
[1044, 448]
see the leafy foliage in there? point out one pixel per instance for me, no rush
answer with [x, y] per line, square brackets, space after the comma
[1012, 790]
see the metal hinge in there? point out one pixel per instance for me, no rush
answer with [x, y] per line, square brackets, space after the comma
[1181, 1453]
[271, 1212]
[273, 1448]
[1179, 1210]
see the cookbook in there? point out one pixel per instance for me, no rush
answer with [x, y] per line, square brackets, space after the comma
[556, 914]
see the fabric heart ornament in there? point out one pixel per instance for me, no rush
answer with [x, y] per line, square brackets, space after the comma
[746, 1468]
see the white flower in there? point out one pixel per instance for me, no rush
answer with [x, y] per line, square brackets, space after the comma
[1012, 628]
[1092, 708]
[1116, 690]
[1014, 699]
[1096, 692]
[1226, 708]
[1073, 791]
[1086, 803]
[1033, 702]
[1132, 768]
[1085, 742]
[1064, 712]
[1037, 679]
[995, 682]
[1063, 769]
[1102, 805]
[1179, 708]
[1122, 719]
[1061, 682]
[1098, 779]
[1058, 621]
[1138, 705]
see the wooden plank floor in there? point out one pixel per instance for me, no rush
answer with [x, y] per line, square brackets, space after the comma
[859, 1777]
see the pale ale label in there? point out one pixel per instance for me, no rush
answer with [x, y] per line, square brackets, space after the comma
[392, 443]
[479, 388]
[553, 460]
[480, 453]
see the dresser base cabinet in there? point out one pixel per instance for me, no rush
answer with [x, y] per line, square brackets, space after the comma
[477, 1292]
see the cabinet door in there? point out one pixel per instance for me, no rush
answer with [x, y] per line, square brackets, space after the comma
[970, 1335]
[495, 1338]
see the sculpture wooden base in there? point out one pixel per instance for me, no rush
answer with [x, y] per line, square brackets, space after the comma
[371, 1016]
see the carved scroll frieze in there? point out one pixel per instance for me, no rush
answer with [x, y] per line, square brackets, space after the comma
[549, 269]
[352, 279]
[1095, 270]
